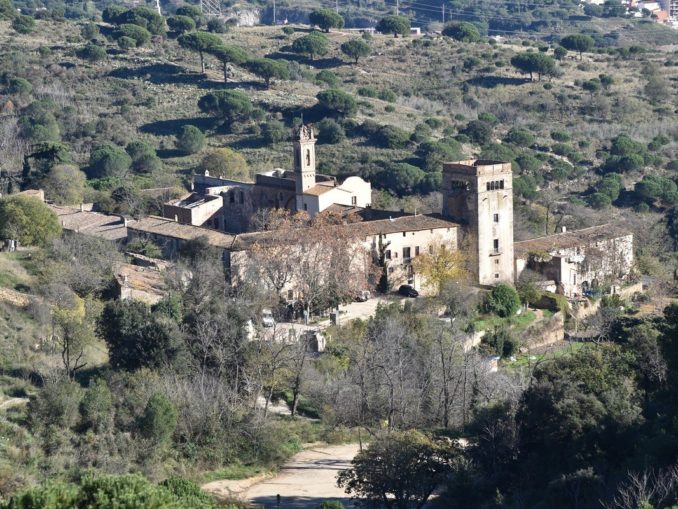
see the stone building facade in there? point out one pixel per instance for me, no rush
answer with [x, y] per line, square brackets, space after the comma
[299, 190]
[479, 195]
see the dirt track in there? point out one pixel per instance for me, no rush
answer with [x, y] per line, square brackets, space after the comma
[304, 482]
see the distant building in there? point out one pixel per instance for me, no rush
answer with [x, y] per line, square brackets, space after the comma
[229, 205]
[476, 218]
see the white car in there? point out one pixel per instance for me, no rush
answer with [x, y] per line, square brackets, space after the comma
[267, 319]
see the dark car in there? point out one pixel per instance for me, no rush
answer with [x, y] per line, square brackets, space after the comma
[408, 291]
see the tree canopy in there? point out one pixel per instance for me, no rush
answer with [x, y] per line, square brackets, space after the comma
[356, 49]
[201, 43]
[337, 102]
[578, 42]
[396, 25]
[534, 63]
[268, 69]
[28, 221]
[400, 470]
[462, 31]
[326, 19]
[314, 45]
[229, 105]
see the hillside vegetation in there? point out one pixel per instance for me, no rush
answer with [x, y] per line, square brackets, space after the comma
[112, 104]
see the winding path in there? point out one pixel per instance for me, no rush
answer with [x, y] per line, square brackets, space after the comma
[302, 483]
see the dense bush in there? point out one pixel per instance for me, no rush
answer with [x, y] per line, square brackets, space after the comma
[274, 131]
[92, 52]
[109, 161]
[462, 31]
[28, 221]
[503, 300]
[190, 140]
[337, 103]
[326, 19]
[313, 45]
[330, 131]
[391, 137]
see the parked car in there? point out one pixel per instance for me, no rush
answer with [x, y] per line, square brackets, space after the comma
[363, 296]
[408, 291]
[267, 319]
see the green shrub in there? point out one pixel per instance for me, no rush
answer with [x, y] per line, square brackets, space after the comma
[28, 221]
[337, 102]
[503, 300]
[327, 77]
[391, 137]
[330, 131]
[274, 131]
[190, 140]
[91, 52]
[108, 161]
[23, 24]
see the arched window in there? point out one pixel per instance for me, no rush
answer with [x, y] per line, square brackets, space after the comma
[308, 157]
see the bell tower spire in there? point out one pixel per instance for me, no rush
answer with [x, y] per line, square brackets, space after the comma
[304, 159]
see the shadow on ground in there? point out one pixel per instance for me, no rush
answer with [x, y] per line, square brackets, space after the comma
[302, 502]
[495, 81]
[160, 74]
[172, 126]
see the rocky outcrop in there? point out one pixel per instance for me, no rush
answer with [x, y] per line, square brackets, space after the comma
[245, 17]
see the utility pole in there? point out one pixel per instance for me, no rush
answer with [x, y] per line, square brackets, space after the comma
[443, 13]
[274, 21]
[397, 7]
[336, 5]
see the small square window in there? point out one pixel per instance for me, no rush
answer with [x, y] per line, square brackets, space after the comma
[496, 276]
[404, 234]
[388, 254]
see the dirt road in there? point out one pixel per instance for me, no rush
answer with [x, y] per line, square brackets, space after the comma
[304, 482]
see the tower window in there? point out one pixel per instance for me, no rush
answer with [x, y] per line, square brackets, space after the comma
[488, 186]
[404, 234]
[495, 245]
[496, 276]
[496, 218]
[501, 184]
[354, 200]
[308, 157]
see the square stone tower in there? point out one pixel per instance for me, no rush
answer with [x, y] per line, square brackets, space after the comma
[479, 195]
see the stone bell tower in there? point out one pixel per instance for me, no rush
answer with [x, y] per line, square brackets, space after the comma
[479, 195]
[304, 159]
